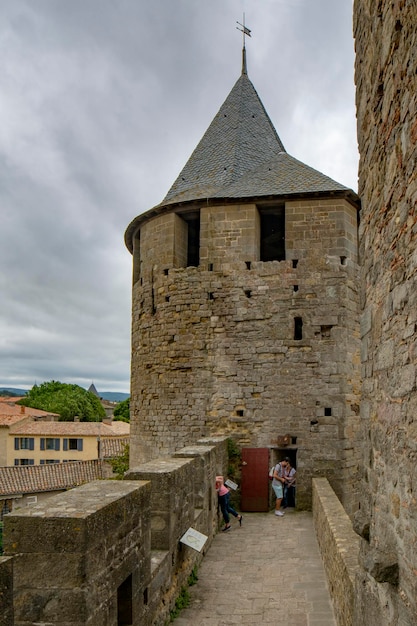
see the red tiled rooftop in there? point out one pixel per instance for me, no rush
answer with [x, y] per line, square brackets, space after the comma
[9, 420]
[8, 407]
[93, 429]
[113, 447]
[36, 478]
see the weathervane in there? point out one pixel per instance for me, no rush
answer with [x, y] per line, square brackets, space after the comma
[243, 29]
[245, 32]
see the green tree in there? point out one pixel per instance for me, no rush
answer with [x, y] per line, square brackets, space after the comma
[122, 412]
[120, 464]
[67, 400]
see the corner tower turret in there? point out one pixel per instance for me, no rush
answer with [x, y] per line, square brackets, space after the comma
[245, 319]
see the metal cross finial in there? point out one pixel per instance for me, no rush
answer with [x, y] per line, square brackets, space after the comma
[245, 32]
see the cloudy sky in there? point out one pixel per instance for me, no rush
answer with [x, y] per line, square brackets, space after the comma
[102, 102]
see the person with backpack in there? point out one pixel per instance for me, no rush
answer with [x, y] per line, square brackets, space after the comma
[278, 483]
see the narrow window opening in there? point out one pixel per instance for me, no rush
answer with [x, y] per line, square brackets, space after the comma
[298, 328]
[145, 596]
[166, 270]
[248, 293]
[153, 306]
[325, 331]
[327, 411]
[210, 267]
[272, 221]
[166, 298]
[239, 412]
[210, 295]
[136, 258]
[294, 263]
[193, 238]
[343, 260]
[248, 265]
[293, 440]
[295, 288]
[124, 603]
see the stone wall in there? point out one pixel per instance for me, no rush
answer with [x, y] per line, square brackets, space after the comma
[386, 79]
[6, 591]
[214, 350]
[109, 552]
[339, 547]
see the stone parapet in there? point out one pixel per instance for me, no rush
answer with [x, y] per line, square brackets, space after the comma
[109, 552]
[339, 547]
[81, 556]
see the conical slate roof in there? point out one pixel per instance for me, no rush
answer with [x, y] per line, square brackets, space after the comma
[241, 156]
[240, 138]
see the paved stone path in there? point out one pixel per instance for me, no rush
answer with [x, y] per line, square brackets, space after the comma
[268, 572]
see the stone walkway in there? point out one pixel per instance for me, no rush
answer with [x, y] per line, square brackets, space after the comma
[268, 572]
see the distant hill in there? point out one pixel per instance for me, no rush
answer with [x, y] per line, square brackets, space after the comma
[111, 396]
[12, 391]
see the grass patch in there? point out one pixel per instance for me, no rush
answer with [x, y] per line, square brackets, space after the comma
[192, 579]
[184, 598]
[181, 602]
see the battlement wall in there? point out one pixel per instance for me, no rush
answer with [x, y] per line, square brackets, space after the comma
[339, 548]
[109, 552]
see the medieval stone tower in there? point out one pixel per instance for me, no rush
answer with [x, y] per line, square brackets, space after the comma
[245, 304]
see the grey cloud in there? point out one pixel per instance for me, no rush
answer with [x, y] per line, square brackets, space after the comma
[102, 104]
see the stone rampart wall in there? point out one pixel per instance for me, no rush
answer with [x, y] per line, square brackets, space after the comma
[109, 552]
[339, 547]
[386, 79]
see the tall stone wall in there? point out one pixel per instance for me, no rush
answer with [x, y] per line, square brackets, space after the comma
[214, 350]
[386, 78]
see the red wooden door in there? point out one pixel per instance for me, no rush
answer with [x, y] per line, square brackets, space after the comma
[255, 482]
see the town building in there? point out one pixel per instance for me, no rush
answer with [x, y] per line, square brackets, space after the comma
[12, 414]
[22, 486]
[40, 457]
[35, 443]
[35, 437]
[107, 405]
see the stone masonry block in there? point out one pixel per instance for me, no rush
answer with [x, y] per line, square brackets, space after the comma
[172, 490]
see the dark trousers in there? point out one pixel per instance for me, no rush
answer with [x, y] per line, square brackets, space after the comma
[289, 497]
[226, 508]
